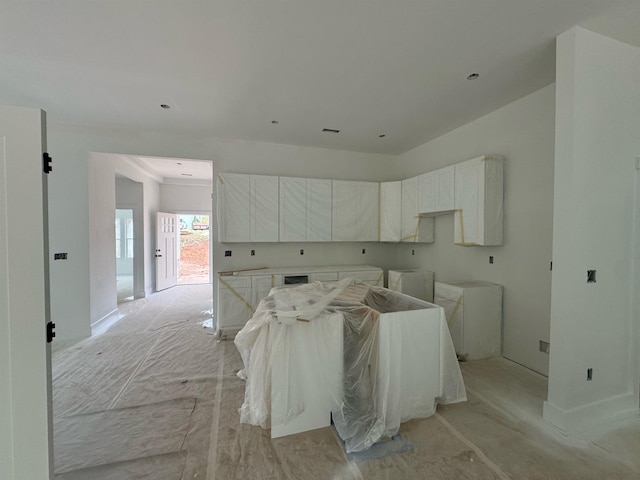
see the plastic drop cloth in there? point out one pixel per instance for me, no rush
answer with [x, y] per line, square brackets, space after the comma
[397, 360]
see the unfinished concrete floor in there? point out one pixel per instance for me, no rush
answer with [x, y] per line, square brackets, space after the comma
[156, 397]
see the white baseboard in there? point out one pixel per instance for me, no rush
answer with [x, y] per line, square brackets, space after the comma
[585, 417]
[102, 325]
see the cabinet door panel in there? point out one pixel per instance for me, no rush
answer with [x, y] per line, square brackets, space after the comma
[261, 285]
[469, 204]
[390, 211]
[264, 208]
[234, 212]
[293, 209]
[318, 210]
[410, 219]
[367, 211]
[344, 199]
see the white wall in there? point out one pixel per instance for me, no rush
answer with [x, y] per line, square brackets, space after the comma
[69, 206]
[597, 142]
[523, 132]
[181, 198]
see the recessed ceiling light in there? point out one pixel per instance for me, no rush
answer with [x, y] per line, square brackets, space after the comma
[473, 76]
[275, 122]
[186, 174]
[382, 135]
[330, 130]
[165, 106]
[178, 163]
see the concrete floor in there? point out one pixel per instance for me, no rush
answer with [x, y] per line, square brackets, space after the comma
[156, 397]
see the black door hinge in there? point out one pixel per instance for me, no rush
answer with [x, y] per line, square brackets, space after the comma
[46, 163]
[50, 331]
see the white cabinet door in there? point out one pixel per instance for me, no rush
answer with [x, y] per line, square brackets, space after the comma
[293, 209]
[318, 210]
[414, 228]
[323, 277]
[261, 285]
[235, 306]
[437, 191]
[478, 202]
[355, 211]
[390, 211]
[234, 212]
[264, 208]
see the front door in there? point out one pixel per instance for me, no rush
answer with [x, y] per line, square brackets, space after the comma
[166, 250]
[25, 357]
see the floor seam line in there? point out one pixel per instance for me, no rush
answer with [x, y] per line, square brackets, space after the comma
[213, 440]
[488, 462]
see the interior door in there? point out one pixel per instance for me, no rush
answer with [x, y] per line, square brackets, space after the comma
[167, 232]
[25, 357]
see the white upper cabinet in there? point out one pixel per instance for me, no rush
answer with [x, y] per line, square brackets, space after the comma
[355, 211]
[414, 228]
[479, 201]
[305, 210]
[234, 218]
[436, 190]
[318, 210]
[247, 208]
[264, 208]
[293, 209]
[390, 211]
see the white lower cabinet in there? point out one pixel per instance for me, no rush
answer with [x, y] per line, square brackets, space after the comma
[373, 278]
[474, 316]
[261, 285]
[235, 303]
[416, 283]
[240, 294]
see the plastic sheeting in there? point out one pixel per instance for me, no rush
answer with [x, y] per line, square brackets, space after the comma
[395, 360]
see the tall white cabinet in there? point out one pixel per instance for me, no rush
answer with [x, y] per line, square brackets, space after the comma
[414, 228]
[413, 282]
[437, 191]
[474, 315]
[479, 201]
[305, 210]
[354, 211]
[390, 211]
[247, 208]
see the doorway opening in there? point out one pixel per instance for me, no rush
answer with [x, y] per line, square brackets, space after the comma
[193, 249]
[124, 238]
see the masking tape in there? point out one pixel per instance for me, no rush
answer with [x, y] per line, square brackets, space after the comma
[221, 178]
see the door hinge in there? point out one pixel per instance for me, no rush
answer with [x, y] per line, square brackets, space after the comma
[46, 163]
[50, 331]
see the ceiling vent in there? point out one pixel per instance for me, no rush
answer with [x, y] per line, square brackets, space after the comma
[330, 130]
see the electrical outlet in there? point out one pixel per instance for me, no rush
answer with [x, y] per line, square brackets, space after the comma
[227, 253]
[544, 346]
[363, 251]
[253, 252]
[490, 258]
[413, 252]
[589, 374]
[301, 252]
[60, 256]
[591, 276]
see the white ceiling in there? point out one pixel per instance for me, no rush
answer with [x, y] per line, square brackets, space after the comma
[230, 67]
